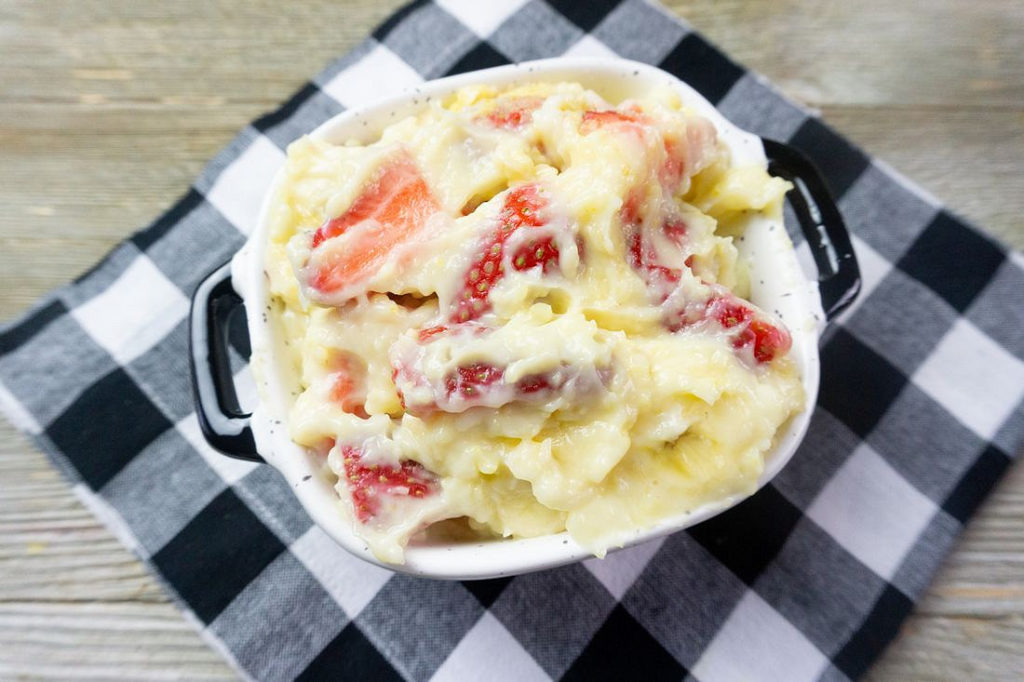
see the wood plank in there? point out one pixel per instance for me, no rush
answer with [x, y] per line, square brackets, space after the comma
[970, 159]
[103, 640]
[954, 649]
[943, 53]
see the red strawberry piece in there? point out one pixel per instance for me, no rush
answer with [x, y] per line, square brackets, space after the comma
[533, 384]
[398, 200]
[630, 211]
[769, 341]
[513, 113]
[676, 230]
[643, 257]
[472, 385]
[470, 380]
[593, 120]
[428, 333]
[728, 311]
[342, 387]
[671, 171]
[396, 374]
[368, 484]
[523, 208]
[348, 379]
[542, 252]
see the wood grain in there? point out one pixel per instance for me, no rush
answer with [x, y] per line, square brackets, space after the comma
[109, 109]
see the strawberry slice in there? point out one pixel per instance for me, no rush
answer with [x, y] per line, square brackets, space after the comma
[683, 156]
[475, 385]
[523, 208]
[480, 383]
[429, 332]
[769, 341]
[347, 387]
[642, 255]
[371, 484]
[594, 120]
[513, 113]
[534, 384]
[468, 381]
[746, 327]
[659, 278]
[399, 203]
[671, 172]
[729, 311]
[687, 154]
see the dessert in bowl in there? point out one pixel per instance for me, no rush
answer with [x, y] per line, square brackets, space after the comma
[525, 315]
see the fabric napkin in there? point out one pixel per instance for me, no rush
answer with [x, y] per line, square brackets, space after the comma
[920, 413]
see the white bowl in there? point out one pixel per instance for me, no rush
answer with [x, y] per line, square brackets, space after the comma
[785, 290]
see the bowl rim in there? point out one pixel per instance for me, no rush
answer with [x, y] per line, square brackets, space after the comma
[503, 557]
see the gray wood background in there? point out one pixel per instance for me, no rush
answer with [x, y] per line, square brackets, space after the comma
[109, 108]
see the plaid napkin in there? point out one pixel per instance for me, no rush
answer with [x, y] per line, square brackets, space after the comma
[920, 411]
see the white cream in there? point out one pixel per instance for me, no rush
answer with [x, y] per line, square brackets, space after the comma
[568, 402]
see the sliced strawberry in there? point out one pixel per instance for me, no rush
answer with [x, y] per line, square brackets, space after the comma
[534, 384]
[743, 323]
[675, 228]
[478, 384]
[674, 167]
[347, 387]
[429, 332]
[684, 155]
[769, 341]
[746, 327]
[523, 208]
[729, 311]
[594, 120]
[370, 484]
[513, 113]
[629, 214]
[643, 257]
[541, 252]
[342, 388]
[397, 374]
[399, 202]
[468, 381]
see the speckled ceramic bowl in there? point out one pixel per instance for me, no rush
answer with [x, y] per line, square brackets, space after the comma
[778, 285]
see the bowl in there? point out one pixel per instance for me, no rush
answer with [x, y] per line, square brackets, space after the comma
[777, 283]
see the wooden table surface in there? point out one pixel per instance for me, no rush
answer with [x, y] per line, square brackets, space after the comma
[109, 108]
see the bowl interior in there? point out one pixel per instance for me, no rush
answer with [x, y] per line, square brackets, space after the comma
[777, 284]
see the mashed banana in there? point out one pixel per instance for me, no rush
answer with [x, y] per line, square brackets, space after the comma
[523, 309]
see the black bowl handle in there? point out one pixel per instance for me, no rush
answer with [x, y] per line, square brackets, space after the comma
[822, 225]
[222, 421]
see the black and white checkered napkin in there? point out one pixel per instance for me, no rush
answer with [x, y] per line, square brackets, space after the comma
[921, 408]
